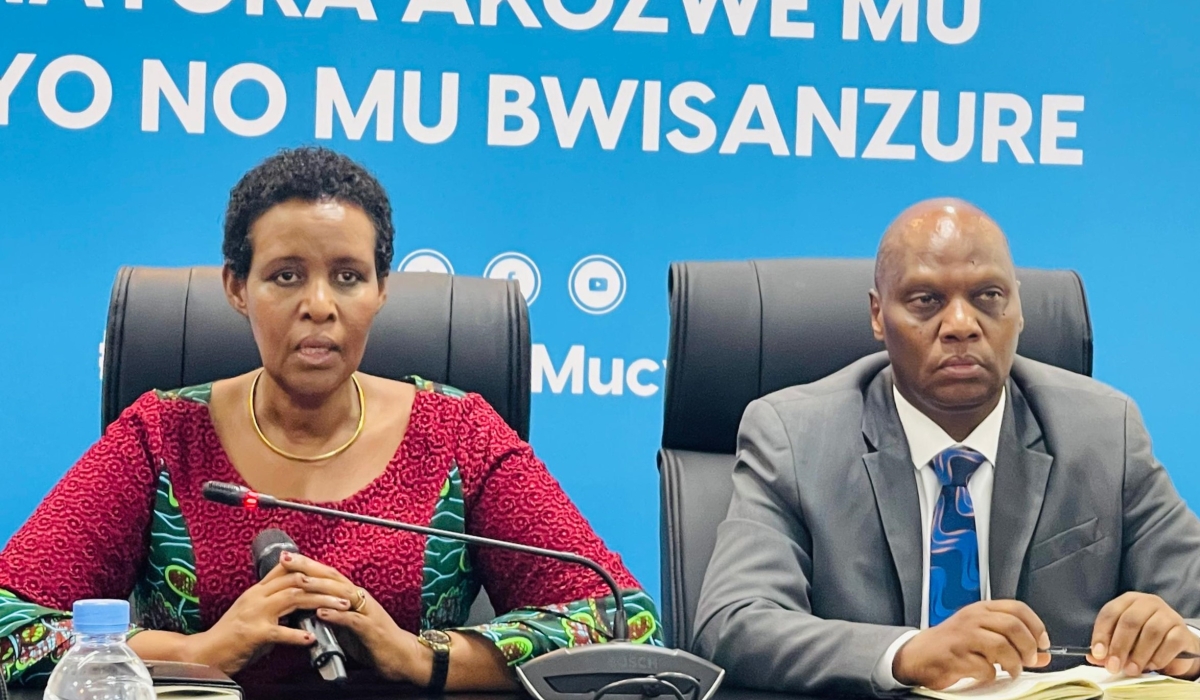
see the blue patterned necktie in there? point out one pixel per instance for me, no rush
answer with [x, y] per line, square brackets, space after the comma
[953, 546]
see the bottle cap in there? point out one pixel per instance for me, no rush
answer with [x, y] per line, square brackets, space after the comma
[101, 616]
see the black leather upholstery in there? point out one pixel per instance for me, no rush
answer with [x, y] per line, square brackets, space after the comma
[740, 330]
[170, 328]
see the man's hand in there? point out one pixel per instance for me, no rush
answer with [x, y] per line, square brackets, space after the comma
[1139, 632]
[970, 642]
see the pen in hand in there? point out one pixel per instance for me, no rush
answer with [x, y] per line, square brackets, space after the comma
[1085, 651]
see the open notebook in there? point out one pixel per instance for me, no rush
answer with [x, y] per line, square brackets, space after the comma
[1079, 683]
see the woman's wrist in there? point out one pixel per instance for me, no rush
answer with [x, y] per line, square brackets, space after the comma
[416, 660]
[200, 649]
[157, 645]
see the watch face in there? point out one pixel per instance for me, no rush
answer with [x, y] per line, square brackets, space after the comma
[437, 637]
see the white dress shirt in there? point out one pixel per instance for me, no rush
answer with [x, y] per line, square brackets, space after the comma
[925, 440]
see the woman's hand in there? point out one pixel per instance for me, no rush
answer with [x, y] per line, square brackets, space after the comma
[251, 627]
[378, 641]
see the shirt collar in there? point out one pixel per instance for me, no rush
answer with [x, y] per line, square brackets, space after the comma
[926, 438]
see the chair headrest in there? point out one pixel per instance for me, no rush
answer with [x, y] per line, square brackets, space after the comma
[740, 330]
[171, 328]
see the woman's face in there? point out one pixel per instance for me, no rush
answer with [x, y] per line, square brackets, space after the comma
[311, 293]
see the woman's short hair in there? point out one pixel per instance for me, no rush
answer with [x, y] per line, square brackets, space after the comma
[309, 174]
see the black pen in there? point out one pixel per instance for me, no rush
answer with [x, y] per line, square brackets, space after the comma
[1085, 651]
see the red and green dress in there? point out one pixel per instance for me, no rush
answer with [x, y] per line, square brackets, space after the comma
[128, 521]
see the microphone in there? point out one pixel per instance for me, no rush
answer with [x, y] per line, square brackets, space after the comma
[618, 669]
[326, 653]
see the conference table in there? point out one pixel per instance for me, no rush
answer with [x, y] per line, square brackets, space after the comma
[400, 692]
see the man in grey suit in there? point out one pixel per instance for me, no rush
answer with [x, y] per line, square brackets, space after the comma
[944, 506]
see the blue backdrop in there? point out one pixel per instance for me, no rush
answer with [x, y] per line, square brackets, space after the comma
[1082, 143]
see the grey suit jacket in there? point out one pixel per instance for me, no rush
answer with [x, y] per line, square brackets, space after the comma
[817, 567]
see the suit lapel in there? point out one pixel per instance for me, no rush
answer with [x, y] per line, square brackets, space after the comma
[890, 468]
[1022, 469]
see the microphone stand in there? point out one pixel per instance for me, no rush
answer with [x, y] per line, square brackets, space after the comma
[616, 669]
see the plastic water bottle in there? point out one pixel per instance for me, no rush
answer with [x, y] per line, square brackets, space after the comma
[99, 664]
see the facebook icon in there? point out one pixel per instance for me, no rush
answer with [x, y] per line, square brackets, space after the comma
[517, 267]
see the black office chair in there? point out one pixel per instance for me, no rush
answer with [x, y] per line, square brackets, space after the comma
[740, 330]
[170, 328]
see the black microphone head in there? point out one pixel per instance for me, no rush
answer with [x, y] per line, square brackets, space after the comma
[267, 547]
[227, 494]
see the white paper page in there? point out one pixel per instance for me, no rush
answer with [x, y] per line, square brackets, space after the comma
[1006, 688]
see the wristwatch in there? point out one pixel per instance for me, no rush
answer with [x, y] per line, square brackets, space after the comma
[439, 642]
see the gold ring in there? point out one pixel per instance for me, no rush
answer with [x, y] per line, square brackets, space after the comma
[362, 601]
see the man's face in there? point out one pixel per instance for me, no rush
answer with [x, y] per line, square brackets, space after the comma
[949, 311]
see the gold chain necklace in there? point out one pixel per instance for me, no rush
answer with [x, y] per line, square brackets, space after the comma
[362, 420]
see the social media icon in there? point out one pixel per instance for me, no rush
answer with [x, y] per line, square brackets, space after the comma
[515, 266]
[597, 284]
[426, 260]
